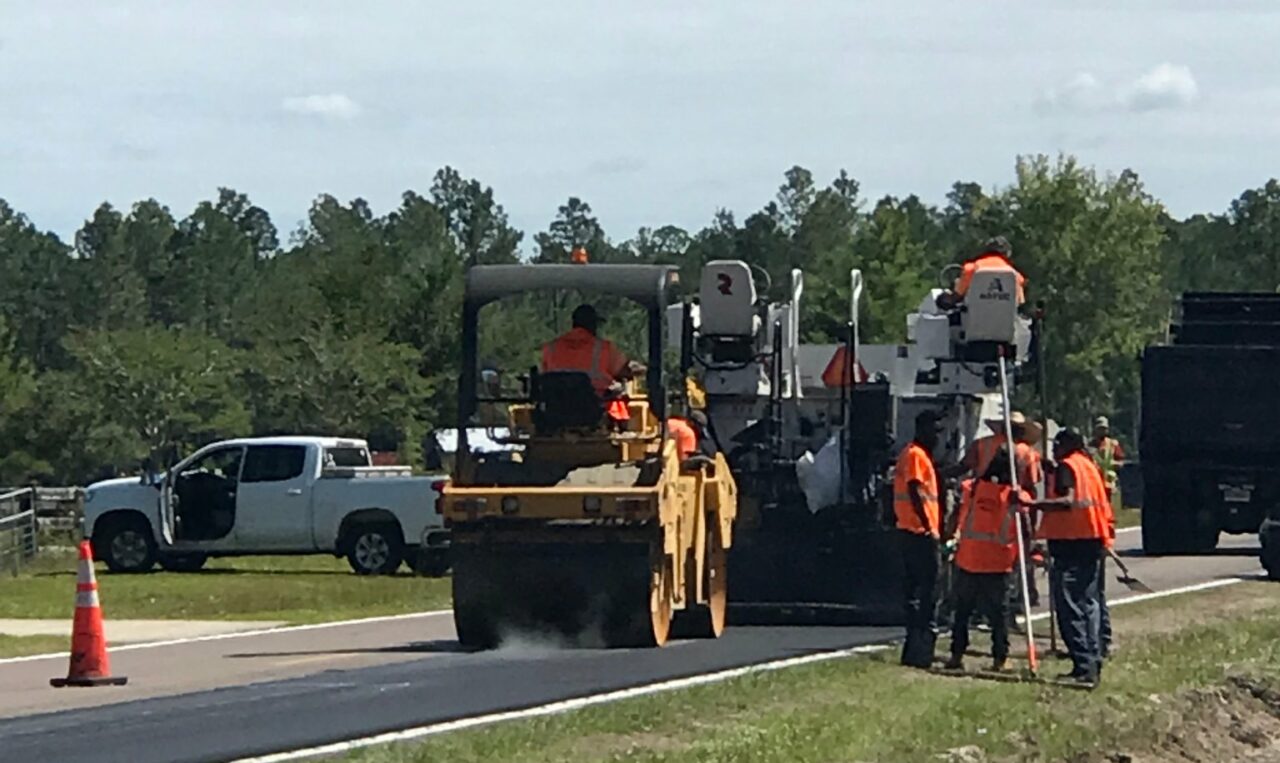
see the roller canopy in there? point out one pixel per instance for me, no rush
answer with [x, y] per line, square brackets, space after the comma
[645, 284]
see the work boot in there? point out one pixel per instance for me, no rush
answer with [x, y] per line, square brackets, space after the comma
[955, 663]
[1001, 665]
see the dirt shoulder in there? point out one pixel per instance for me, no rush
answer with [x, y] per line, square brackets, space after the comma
[1196, 679]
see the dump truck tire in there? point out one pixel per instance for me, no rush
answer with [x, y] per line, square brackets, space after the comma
[1271, 560]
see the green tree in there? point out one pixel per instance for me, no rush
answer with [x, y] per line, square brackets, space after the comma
[1091, 249]
[160, 392]
[574, 226]
[111, 290]
[898, 251]
[477, 223]
[322, 383]
[1255, 222]
[36, 290]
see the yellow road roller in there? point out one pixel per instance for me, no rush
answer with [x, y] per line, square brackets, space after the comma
[597, 533]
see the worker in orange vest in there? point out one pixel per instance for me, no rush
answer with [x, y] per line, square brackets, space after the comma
[919, 524]
[995, 254]
[986, 553]
[581, 349]
[690, 435]
[1075, 525]
[978, 456]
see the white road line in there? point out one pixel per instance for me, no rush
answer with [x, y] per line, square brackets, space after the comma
[1135, 528]
[240, 634]
[552, 708]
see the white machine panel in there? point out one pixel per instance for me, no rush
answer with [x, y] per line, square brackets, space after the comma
[991, 307]
[727, 296]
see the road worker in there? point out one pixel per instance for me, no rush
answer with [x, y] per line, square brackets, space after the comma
[1107, 453]
[1074, 524]
[986, 554]
[1109, 456]
[978, 456]
[994, 254]
[581, 349]
[690, 435]
[919, 524]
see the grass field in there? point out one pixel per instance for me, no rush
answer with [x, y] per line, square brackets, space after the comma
[1175, 660]
[18, 646]
[301, 589]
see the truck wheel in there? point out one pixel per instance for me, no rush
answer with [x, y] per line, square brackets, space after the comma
[183, 563]
[432, 564]
[1271, 563]
[126, 545]
[1271, 555]
[375, 549]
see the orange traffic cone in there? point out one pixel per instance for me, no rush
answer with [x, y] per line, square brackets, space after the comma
[89, 664]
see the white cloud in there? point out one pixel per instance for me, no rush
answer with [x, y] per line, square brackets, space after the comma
[330, 106]
[1164, 87]
[1082, 92]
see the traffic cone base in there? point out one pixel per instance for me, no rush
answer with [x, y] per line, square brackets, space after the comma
[89, 663]
[100, 681]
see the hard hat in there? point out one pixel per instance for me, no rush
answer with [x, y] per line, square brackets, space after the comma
[579, 256]
[998, 244]
[586, 316]
[1101, 422]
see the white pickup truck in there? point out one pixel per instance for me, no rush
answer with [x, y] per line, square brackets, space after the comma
[273, 495]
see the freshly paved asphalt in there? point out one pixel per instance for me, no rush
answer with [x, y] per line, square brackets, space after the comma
[227, 698]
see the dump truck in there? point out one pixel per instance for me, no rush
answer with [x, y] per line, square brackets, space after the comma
[1210, 424]
[596, 533]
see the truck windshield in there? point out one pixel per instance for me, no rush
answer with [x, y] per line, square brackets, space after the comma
[340, 457]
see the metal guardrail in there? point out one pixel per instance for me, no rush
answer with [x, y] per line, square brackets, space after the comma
[19, 529]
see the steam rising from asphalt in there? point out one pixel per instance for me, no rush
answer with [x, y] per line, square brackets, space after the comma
[516, 641]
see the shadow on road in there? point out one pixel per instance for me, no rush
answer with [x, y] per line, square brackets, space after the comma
[440, 646]
[1137, 553]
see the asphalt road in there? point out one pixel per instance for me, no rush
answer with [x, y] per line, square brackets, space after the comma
[220, 699]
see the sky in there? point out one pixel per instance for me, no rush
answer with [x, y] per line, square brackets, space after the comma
[654, 112]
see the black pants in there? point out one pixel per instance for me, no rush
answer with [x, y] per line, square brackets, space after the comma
[985, 593]
[1074, 584]
[920, 556]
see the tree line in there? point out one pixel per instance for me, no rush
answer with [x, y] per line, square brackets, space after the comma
[150, 334]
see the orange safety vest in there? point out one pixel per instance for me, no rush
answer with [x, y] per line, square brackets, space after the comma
[988, 538]
[989, 261]
[1087, 517]
[1026, 456]
[915, 465]
[686, 439]
[580, 350]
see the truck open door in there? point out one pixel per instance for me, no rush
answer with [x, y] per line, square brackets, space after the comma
[166, 510]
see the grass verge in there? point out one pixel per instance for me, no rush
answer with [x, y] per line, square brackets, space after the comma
[20, 646]
[868, 708]
[1128, 518]
[301, 589]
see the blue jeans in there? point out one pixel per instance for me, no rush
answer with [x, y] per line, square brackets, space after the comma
[1074, 583]
[1104, 612]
